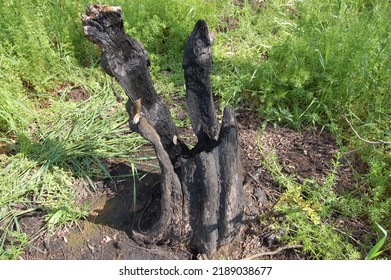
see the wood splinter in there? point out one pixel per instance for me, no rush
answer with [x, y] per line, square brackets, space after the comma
[136, 111]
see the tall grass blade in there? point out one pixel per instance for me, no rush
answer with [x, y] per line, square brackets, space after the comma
[375, 251]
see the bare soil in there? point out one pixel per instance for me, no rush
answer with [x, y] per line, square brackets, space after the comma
[105, 234]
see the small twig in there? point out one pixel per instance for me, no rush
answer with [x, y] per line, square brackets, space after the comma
[252, 176]
[78, 226]
[348, 235]
[271, 253]
[364, 140]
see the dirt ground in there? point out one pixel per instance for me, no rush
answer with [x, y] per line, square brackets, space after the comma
[105, 234]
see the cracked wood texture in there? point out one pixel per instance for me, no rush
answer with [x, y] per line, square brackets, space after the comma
[201, 193]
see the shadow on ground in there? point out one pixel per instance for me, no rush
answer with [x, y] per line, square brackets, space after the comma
[106, 233]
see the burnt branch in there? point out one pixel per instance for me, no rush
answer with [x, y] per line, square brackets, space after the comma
[197, 64]
[126, 59]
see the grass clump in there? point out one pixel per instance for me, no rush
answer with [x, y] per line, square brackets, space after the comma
[14, 106]
[42, 170]
[308, 62]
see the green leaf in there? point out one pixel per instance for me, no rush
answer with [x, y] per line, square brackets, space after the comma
[55, 218]
[375, 250]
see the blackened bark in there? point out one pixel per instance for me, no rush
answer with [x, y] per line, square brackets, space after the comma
[127, 60]
[201, 194]
[197, 64]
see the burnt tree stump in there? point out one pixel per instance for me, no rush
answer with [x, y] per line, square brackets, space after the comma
[200, 194]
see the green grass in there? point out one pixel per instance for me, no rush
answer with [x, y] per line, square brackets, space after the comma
[49, 143]
[45, 161]
[310, 213]
[313, 63]
[294, 63]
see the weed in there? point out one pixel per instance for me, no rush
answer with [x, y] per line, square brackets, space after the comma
[307, 208]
